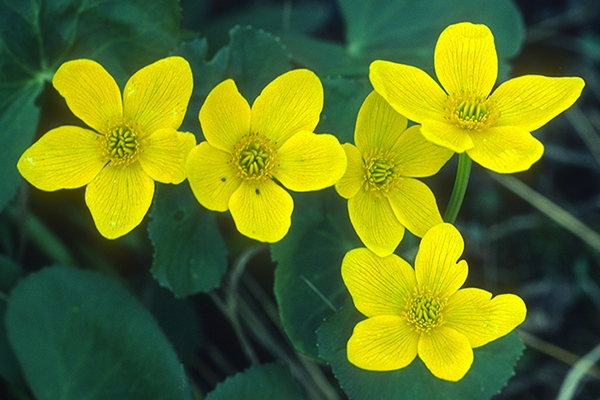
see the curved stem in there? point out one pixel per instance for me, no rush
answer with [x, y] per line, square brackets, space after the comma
[460, 187]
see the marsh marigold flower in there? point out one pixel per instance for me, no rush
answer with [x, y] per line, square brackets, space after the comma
[383, 196]
[134, 140]
[494, 129]
[251, 154]
[422, 310]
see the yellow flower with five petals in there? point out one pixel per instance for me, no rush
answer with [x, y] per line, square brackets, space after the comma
[383, 195]
[493, 129]
[423, 311]
[134, 140]
[251, 154]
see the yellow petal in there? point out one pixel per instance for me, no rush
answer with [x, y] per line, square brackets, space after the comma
[354, 177]
[225, 116]
[382, 343]
[378, 125]
[465, 59]
[375, 223]
[505, 149]
[436, 265]
[289, 104]
[409, 90]
[446, 135]
[308, 161]
[212, 179]
[157, 96]
[418, 156]
[446, 353]
[378, 285]
[90, 92]
[415, 207]
[64, 158]
[473, 313]
[531, 101]
[119, 198]
[164, 153]
[262, 211]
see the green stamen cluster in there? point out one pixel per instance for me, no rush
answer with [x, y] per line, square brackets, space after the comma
[424, 311]
[471, 112]
[120, 145]
[254, 157]
[381, 172]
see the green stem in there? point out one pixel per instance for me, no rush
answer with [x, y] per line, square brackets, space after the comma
[460, 187]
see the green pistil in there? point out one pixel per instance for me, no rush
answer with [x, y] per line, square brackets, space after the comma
[470, 111]
[424, 312]
[254, 156]
[121, 143]
[254, 159]
[381, 172]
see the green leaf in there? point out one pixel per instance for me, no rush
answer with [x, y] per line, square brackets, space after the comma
[343, 98]
[10, 371]
[189, 252]
[406, 32]
[37, 36]
[308, 285]
[491, 369]
[255, 58]
[79, 335]
[259, 382]
[274, 18]
[180, 322]
[18, 122]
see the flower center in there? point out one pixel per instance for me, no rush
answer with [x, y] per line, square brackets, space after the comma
[424, 311]
[120, 146]
[470, 111]
[382, 172]
[254, 157]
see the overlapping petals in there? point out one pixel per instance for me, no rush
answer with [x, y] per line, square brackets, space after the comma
[383, 198]
[251, 154]
[464, 116]
[395, 298]
[135, 142]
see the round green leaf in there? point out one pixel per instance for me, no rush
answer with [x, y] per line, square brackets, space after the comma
[491, 369]
[308, 285]
[79, 335]
[259, 382]
[189, 251]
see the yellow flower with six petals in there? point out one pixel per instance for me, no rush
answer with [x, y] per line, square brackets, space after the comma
[250, 153]
[134, 142]
[421, 310]
[493, 129]
[383, 196]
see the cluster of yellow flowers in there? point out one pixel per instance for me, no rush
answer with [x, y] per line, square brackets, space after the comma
[252, 153]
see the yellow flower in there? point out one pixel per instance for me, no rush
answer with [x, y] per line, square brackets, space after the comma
[422, 311]
[251, 153]
[494, 129]
[383, 196]
[134, 141]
